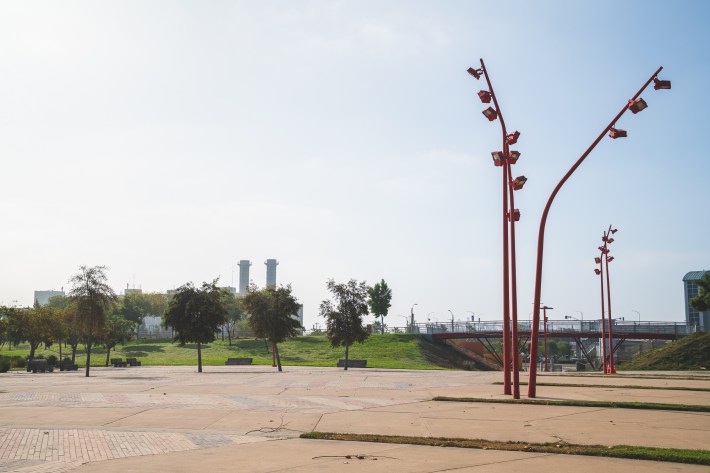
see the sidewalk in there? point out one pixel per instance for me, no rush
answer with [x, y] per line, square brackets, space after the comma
[247, 418]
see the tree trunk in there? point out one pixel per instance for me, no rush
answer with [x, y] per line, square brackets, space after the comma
[273, 354]
[229, 335]
[347, 349]
[74, 346]
[382, 323]
[199, 357]
[33, 348]
[108, 352]
[88, 357]
[278, 357]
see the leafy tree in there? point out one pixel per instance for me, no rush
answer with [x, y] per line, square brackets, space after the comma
[344, 317]
[36, 326]
[118, 330]
[10, 326]
[138, 306]
[701, 302]
[196, 314]
[271, 310]
[94, 300]
[235, 313]
[71, 330]
[379, 298]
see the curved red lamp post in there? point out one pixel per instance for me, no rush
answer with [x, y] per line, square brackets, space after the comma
[600, 272]
[607, 239]
[505, 159]
[635, 104]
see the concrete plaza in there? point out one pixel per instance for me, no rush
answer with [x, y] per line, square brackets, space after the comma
[248, 418]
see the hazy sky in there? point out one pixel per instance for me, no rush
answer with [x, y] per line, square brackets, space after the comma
[169, 139]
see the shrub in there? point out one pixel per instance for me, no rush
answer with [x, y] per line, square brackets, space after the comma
[52, 360]
[5, 364]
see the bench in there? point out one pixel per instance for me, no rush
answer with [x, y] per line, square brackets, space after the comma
[118, 363]
[353, 363]
[238, 361]
[67, 365]
[39, 365]
[133, 362]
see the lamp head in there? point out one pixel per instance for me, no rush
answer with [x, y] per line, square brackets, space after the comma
[512, 138]
[659, 84]
[617, 133]
[485, 96]
[491, 114]
[513, 156]
[498, 158]
[597, 260]
[476, 73]
[637, 105]
[519, 182]
[597, 272]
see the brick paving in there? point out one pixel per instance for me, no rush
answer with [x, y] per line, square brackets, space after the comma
[39, 450]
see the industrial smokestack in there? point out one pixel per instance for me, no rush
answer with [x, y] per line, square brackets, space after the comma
[243, 276]
[271, 272]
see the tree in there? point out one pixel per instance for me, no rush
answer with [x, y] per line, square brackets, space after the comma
[36, 326]
[118, 330]
[344, 317]
[94, 300]
[379, 298]
[196, 314]
[138, 306]
[235, 313]
[701, 302]
[71, 329]
[270, 315]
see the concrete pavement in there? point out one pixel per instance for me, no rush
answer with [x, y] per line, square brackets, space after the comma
[247, 418]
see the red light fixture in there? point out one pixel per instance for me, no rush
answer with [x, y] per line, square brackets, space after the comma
[637, 105]
[609, 240]
[485, 96]
[609, 259]
[512, 138]
[603, 250]
[659, 84]
[498, 158]
[616, 133]
[514, 156]
[476, 73]
[598, 260]
[613, 230]
[516, 215]
[519, 182]
[490, 114]
[597, 272]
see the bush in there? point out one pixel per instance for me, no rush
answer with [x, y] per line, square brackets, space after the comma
[52, 360]
[5, 364]
[19, 362]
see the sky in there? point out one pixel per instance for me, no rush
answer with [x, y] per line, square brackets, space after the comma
[167, 140]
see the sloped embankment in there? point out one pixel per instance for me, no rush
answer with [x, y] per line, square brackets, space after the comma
[689, 353]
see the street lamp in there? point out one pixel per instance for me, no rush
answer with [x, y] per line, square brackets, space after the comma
[532, 383]
[411, 313]
[505, 159]
[452, 321]
[608, 259]
[639, 314]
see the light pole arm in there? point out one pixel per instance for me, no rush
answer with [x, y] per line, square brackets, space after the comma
[541, 239]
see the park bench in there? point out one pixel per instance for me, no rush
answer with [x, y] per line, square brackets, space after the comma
[353, 363]
[67, 365]
[39, 365]
[118, 363]
[238, 361]
[133, 362]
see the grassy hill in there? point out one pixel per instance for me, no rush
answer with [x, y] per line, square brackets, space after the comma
[689, 353]
[404, 351]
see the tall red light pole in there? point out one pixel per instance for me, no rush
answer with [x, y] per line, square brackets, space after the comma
[504, 159]
[600, 272]
[544, 312]
[607, 239]
[635, 104]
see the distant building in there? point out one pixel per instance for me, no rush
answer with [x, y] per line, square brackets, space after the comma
[132, 291]
[42, 297]
[230, 289]
[700, 320]
[244, 276]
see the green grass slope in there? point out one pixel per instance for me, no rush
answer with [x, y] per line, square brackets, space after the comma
[403, 351]
[689, 353]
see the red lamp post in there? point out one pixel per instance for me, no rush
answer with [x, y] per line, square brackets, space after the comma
[600, 272]
[532, 383]
[606, 238]
[505, 159]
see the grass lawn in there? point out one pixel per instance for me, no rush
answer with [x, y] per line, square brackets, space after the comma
[404, 351]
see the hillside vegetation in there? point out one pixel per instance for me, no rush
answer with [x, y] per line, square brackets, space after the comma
[689, 353]
[404, 351]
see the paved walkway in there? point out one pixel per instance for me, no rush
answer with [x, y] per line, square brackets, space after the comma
[248, 418]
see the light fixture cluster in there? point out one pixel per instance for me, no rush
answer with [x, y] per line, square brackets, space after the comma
[637, 105]
[604, 250]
